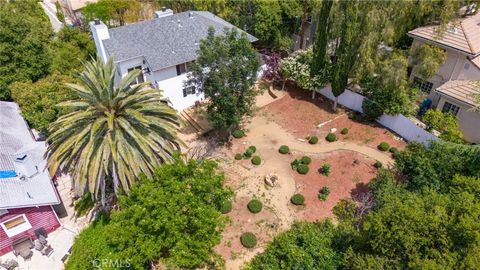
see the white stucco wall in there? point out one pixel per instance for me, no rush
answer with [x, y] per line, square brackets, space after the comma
[468, 121]
[173, 90]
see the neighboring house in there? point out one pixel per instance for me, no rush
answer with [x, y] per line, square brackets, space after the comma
[72, 8]
[26, 191]
[451, 89]
[161, 48]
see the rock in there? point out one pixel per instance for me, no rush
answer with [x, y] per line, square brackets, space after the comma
[333, 130]
[271, 180]
[302, 140]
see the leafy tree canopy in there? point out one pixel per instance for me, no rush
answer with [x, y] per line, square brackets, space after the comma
[39, 100]
[426, 59]
[172, 218]
[225, 71]
[446, 123]
[25, 34]
[112, 12]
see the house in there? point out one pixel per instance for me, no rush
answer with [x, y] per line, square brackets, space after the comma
[27, 192]
[451, 89]
[161, 48]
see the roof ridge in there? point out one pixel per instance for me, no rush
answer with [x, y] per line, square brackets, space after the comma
[465, 32]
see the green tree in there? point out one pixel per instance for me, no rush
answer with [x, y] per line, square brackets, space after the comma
[25, 34]
[117, 12]
[320, 59]
[446, 123]
[38, 100]
[69, 49]
[225, 71]
[304, 246]
[111, 134]
[172, 217]
[426, 59]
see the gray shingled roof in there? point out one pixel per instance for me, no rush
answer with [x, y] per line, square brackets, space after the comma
[15, 137]
[166, 41]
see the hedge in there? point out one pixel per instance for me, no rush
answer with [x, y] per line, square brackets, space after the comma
[297, 199]
[284, 149]
[238, 134]
[312, 139]
[383, 146]
[248, 240]
[256, 160]
[255, 206]
[331, 137]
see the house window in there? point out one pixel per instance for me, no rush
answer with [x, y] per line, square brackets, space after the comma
[188, 91]
[182, 68]
[450, 108]
[140, 78]
[423, 85]
[16, 225]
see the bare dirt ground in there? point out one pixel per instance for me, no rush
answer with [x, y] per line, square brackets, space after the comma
[286, 122]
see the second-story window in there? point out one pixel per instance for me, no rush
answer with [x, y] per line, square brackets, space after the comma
[139, 79]
[182, 68]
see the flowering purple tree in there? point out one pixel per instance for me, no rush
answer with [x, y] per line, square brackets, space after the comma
[272, 71]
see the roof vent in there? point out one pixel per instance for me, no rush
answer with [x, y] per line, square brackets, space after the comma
[452, 29]
[190, 15]
[163, 13]
[96, 21]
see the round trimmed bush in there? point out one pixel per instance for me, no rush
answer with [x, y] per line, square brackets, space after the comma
[344, 131]
[248, 153]
[377, 164]
[238, 134]
[302, 169]
[248, 239]
[306, 160]
[331, 137]
[284, 149]
[323, 193]
[256, 160]
[312, 139]
[238, 156]
[226, 207]
[255, 206]
[253, 148]
[393, 150]
[383, 146]
[297, 199]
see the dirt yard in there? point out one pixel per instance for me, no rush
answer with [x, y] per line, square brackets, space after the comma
[287, 121]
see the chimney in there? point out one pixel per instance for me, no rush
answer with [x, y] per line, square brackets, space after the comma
[100, 33]
[165, 12]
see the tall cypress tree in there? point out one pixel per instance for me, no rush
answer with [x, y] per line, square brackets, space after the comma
[321, 41]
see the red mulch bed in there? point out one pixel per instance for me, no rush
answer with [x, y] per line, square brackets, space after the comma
[345, 179]
[298, 113]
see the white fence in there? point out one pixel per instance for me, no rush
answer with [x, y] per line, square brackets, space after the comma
[398, 123]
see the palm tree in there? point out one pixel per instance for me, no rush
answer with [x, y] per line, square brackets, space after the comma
[113, 132]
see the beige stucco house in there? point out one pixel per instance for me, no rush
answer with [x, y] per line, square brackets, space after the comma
[458, 79]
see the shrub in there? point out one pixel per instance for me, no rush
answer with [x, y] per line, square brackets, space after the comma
[256, 160]
[238, 156]
[377, 164]
[238, 134]
[248, 153]
[312, 139]
[306, 160]
[323, 193]
[255, 206]
[371, 109]
[325, 169]
[253, 148]
[383, 146]
[331, 137]
[84, 204]
[297, 199]
[248, 240]
[302, 169]
[344, 131]
[226, 207]
[393, 150]
[284, 149]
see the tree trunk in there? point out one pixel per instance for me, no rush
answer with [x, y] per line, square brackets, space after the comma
[304, 24]
[313, 94]
[335, 102]
[283, 84]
